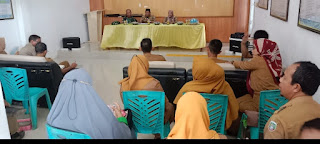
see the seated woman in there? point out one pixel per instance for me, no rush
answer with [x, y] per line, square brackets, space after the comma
[78, 108]
[208, 77]
[139, 79]
[192, 119]
[264, 68]
[2, 46]
[171, 19]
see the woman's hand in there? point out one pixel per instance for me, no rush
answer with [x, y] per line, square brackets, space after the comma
[117, 110]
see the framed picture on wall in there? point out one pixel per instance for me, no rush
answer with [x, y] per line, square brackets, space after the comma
[6, 11]
[309, 15]
[280, 9]
[264, 4]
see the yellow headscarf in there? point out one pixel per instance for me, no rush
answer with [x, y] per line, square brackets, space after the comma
[210, 78]
[138, 74]
[192, 119]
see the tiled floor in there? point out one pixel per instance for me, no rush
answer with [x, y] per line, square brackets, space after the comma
[105, 68]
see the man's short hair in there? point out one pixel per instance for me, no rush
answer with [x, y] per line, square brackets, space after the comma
[312, 124]
[215, 46]
[40, 47]
[261, 34]
[34, 38]
[148, 10]
[146, 45]
[308, 76]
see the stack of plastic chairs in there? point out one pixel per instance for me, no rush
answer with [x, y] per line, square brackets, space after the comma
[270, 101]
[147, 109]
[16, 87]
[217, 108]
[55, 133]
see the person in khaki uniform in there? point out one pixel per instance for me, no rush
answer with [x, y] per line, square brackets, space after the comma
[146, 48]
[264, 68]
[148, 17]
[29, 49]
[300, 81]
[41, 50]
[214, 49]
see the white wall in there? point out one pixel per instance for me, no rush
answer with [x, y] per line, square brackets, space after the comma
[295, 43]
[50, 19]
[10, 29]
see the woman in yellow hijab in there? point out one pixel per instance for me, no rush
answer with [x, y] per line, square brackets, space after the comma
[139, 79]
[192, 119]
[208, 77]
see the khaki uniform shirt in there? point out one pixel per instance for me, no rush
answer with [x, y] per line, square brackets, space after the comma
[216, 60]
[145, 19]
[152, 57]
[261, 78]
[28, 50]
[288, 120]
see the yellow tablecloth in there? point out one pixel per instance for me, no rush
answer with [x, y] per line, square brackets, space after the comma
[130, 36]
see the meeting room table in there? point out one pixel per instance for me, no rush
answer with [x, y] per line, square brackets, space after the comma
[163, 35]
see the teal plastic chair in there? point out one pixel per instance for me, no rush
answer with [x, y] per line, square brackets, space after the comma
[270, 101]
[217, 106]
[16, 87]
[55, 133]
[147, 109]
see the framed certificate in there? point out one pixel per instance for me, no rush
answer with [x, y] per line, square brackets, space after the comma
[280, 9]
[264, 4]
[6, 11]
[309, 15]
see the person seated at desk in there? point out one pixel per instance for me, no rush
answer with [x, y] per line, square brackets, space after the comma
[171, 19]
[139, 79]
[148, 17]
[146, 48]
[264, 69]
[41, 51]
[298, 84]
[208, 77]
[311, 129]
[129, 18]
[257, 35]
[29, 49]
[2, 46]
[192, 119]
[214, 49]
[79, 108]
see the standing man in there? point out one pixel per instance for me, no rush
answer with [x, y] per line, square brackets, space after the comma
[298, 84]
[29, 49]
[148, 17]
[129, 18]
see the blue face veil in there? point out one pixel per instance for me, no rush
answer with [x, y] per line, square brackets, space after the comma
[78, 108]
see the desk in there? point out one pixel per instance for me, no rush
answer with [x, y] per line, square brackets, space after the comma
[130, 36]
